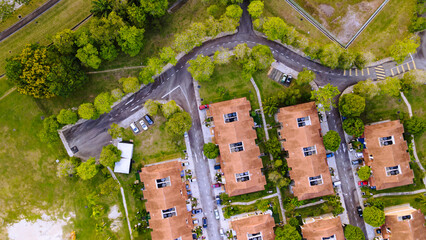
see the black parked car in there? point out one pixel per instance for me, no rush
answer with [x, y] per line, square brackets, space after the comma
[149, 119]
[357, 162]
[204, 222]
[359, 210]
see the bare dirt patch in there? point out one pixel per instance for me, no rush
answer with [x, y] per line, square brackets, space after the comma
[115, 215]
[326, 9]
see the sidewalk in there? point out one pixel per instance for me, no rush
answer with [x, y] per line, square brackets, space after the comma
[399, 193]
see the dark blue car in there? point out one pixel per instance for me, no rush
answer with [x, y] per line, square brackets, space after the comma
[204, 222]
[329, 155]
[149, 119]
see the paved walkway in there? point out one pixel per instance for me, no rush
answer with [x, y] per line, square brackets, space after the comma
[399, 193]
[259, 99]
[254, 201]
[115, 69]
[124, 201]
[8, 92]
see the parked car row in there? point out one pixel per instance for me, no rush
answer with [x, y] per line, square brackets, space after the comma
[286, 79]
[147, 118]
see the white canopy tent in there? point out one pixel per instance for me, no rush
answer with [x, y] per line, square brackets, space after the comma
[123, 166]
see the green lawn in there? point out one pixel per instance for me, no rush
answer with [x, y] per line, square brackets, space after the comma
[311, 211]
[156, 144]
[240, 209]
[4, 86]
[65, 14]
[267, 87]
[416, 97]
[397, 200]
[383, 108]
[22, 11]
[228, 77]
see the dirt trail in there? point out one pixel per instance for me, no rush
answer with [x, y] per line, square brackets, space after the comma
[7, 93]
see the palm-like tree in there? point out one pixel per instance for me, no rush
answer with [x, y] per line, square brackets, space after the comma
[101, 8]
[270, 105]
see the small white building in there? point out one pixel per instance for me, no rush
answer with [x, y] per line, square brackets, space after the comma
[123, 166]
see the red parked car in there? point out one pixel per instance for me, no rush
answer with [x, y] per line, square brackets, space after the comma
[362, 183]
[204, 107]
[216, 185]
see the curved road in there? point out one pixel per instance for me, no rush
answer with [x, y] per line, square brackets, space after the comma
[176, 83]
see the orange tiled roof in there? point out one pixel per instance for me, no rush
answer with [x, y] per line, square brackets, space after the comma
[297, 138]
[387, 156]
[263, 224]
[233, 132]
[159, 199]
[319, 228]
[412, 229]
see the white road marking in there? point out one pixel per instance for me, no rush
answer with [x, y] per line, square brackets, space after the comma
[173, 74]
[168, 78]
[129, 101]
[134, 108]
[344, 148]
[171, 91]
[177, 70]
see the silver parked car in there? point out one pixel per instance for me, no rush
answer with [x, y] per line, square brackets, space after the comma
[134, 128]
[143, 125]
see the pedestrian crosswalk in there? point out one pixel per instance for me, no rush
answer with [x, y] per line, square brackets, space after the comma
[403, 68]
[356, 72]
[380, 72]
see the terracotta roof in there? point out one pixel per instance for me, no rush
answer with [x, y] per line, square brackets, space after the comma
[296, 138]
[410, 229]
[322, 227]
[263, 223]
[233, 132]
[387, 156]
[159, 199]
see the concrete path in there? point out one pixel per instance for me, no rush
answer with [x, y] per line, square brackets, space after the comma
[399, 193]
[254, 201]
[8, 92]
[124, 201]
[259, 99]
[115, 69]
[310, 204]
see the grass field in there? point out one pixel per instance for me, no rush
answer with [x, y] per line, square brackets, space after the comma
[397, 200]
[316, 210]
[383, 108]
[22, 11]
[156, 144]
[65, 14]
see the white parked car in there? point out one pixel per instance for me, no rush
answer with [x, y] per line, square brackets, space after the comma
[143, 125]
[134, 128]
[216, 214]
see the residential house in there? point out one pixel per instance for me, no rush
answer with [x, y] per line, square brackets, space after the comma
[255, 226]
[324, 227]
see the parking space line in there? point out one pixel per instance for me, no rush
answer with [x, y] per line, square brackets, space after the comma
[368, 71]
[414, 64]
[402, 66]
[350, 72]
[397, 69]
[392, 72]
[356, 72]
[408, 66]
[344, 72]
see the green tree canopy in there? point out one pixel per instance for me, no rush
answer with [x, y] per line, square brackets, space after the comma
[262, 56]
[353, 233]
[116, 93]
[415, 125]
[116, 131]
[103, 102]
[374, 216]
[347, 59]
[242, 52]
[179, 123]
[201, 68]
[222, 56]
[270, 105]
[234, 11]
[364, 173]
[64, 41]
[168, 55]
[155, 8]
[66, 168]
[67, 116]
[366, 89]
[136, 15]
[88, 169]
[351, 105]
[324, 96]
[278, 179]
[330, 55]
[89, 56]
[49, 131]
[87, 111]
[153, 107]
[273, 146]
[275, 28]
[130, 40]
[287, 232]
[331, 140]
[110, 155]
[214, 11]
[391, 86]
[353, 126]
[255, 9]
[170, 108]
[104, 30]
[108, 52]
[101, 8]
[130, 84]
[305, 77]
[363, 58]
[211, 150]
[401, 48]
[192, 37]
[155, 64]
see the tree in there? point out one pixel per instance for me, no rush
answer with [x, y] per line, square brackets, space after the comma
[6, 9]
[64, 41]
[136, 15]
[66, 168]
[155, 65]
[413, 78]
[374, 216]
[353, 233]
[278, 179]
[234, 11]
[351, 105]
[101, 8]
[391, 86]
[353, 126]
[211, 150]
[103, 102]
[49, 132]
[313, 50]
[262, 56]
[255, 9]
[401, 48]
[87, 111]
[130, 40]
[330, 54]
[287, 232]
[130, 84]
[214, 11]
[270, 105]
[363, 58]
[155, 8]
[179, 123]
[222, 56]
[324, 97]
[242, 52]
[213, 27]
[168, 55]
[104, 30]
[110, 155]
[116, 93]
[153, 107]
[170, 108]
[67, 116]
[201, 68]
[275, 28]
[305, 77]
[89, 56]
[116, 131]
[331, 140]
[415, 125]
[108, 52]
[347, 59]
[366, 89]
[191, 38]
[364, 173]
[88, 169]
[273, 146]
[145, 76]
[108, 187]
